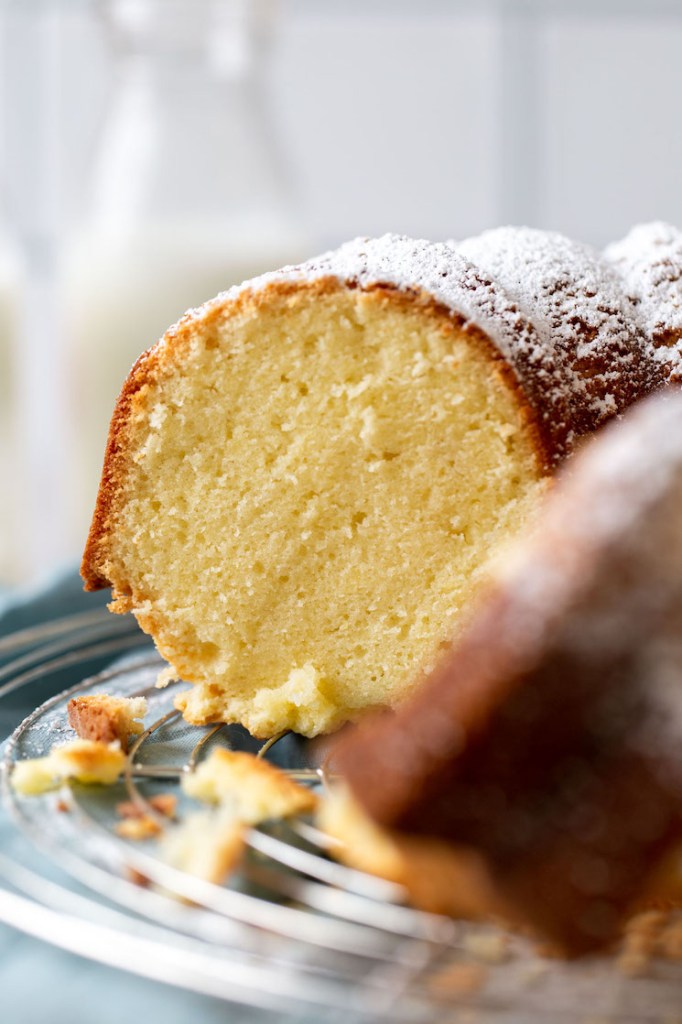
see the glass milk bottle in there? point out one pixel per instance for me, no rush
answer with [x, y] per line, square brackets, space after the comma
[10, 306]
[189, 196]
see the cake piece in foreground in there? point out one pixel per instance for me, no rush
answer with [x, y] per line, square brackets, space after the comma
[549, 740]
[305, 478]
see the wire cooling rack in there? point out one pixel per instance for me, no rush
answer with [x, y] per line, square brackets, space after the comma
[294, 932]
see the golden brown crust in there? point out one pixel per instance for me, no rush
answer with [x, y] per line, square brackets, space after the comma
[168, 353]
[102, 718]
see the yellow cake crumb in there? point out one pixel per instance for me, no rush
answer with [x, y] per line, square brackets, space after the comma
[641, 942]
[242, 790]
[250, 788]
[165, 677]
[298, 703]
[87, 761]
[208, 845]
[139, 823]
[162, 803]
[143, 827]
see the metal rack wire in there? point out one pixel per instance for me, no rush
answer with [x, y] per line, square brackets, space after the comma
[295, 932]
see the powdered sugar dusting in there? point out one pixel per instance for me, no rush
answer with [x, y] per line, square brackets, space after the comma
[649, 262]
[577, 305]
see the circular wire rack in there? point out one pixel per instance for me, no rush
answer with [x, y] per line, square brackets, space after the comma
[294, 932]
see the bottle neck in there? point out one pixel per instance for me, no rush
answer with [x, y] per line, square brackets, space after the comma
[224, 38]
[188, 134]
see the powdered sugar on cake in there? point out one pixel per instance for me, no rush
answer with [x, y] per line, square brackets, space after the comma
[649, 262]
[578, 307]
[414, 265]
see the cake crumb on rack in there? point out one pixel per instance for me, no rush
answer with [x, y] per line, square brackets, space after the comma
[98, 716]
[208, 845]
[138, 823]
[242, 790]
[139, 828]
[252, 789]
[163, 803]
[87, 761]
[362, 844]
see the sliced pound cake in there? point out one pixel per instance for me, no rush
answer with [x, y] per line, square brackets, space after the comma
[305, 477]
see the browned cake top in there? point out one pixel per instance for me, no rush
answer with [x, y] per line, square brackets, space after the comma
[580, 311]
[649, 262]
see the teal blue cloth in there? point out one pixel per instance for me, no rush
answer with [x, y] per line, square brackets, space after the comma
[63, 595]
[43, 985]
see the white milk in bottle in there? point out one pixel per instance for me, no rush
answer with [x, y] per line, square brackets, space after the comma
[189, 196]
[10, 413]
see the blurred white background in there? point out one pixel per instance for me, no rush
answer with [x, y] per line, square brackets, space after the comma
[155, 151]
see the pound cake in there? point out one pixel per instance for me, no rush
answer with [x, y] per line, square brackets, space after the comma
[578, 305]
[548, 741]
[649, 263]
[305, 477]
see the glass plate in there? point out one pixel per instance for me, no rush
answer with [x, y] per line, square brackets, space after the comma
[293, 932]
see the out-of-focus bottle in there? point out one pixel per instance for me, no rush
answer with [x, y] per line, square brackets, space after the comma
[190, 194]
[10, 303]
